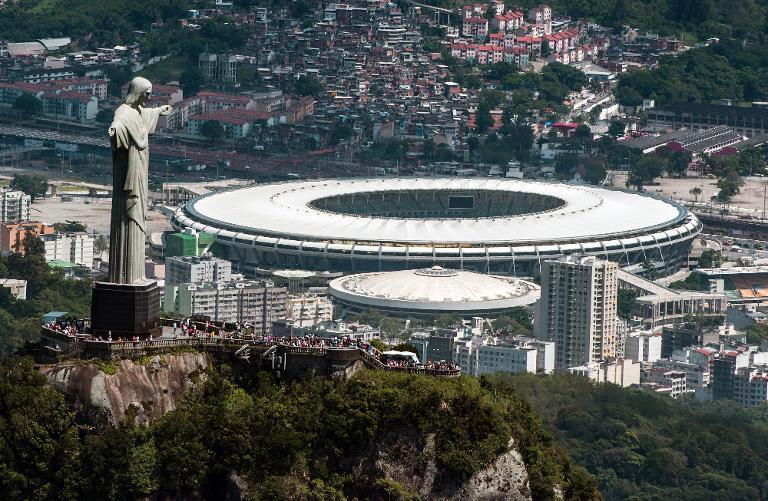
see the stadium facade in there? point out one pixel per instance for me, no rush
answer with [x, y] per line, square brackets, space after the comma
[490, 225]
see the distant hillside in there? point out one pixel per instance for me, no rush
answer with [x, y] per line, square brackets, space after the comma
[727, 70]
[104, 20]
[688, 18]
[643, 446]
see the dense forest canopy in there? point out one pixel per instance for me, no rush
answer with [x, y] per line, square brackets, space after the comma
[726, 70]
[313, 439]
[643, 446]
[109, 21]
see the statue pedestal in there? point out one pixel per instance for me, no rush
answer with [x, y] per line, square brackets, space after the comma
[126, 310]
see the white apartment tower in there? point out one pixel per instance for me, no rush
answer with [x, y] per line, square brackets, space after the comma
[75, 248]
[258, 304]
[14, 206]
[196, 269]
[577, 309]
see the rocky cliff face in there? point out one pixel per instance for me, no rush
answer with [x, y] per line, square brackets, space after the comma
[153, 388]
[409, 460]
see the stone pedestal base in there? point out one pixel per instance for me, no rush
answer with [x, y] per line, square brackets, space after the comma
[126, 310]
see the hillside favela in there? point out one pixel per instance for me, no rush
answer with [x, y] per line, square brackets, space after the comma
[384, 250]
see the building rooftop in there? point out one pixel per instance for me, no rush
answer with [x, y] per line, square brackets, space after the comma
[287, 210]
[434, 288]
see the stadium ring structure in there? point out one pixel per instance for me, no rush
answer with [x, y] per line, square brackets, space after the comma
[489, 225]
[432, 291]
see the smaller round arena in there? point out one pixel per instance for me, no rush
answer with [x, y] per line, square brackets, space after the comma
[432, 291]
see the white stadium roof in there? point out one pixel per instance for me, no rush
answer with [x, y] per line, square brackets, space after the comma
[434, 289]
[282, 210]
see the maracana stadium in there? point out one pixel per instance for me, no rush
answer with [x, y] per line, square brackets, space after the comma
[491, 225]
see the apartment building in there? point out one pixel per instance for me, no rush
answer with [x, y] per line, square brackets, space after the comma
[70, 104]
[74, 248]
[643, 347]
[257, 304]
[14, 206]
[218, 67]
[577, 309]
[196, 269]
[620, 371]
[478, 355]
[750, 386]
[724, 368]
[665, 381]
[12, 235]
[305, 310]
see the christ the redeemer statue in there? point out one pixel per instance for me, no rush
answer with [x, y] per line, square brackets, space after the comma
[129, 136]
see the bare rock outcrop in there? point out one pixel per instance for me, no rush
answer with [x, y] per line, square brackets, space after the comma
[410, 461]
[152, 389]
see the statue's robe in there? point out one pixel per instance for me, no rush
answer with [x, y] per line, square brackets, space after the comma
[130, 169]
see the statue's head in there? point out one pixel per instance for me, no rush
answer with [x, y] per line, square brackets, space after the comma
[139, 90]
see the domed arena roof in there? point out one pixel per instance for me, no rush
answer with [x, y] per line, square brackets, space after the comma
[434, 289]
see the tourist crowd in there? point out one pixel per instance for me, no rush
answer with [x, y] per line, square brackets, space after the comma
[191, 329]
[66, 327]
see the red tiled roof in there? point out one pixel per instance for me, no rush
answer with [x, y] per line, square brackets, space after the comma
[28, 87]
[528, 39]
[68, 96]
[234, 116]
[224, 96]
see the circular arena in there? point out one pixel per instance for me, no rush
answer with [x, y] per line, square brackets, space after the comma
[432, 291]
[489, 225]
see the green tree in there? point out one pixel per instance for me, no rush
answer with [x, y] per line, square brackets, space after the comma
[677, 161]
[696, 192]
[473, 142]
[118, 76]
[710, 259]
[499, 71]
[213, 130]
[390, 327]
[583, 134]
[751, 162]
[626, 301]
[728, 188]
[105, 116]
[572, 78]
[308, 86]
[339, 133]
[191, 80]
[483, 118]
[34, 185]
[101, 244]
[69, 226]
[428, 148]
[616, 128]
[565, 165]
[446, 320]
[757, 334]
[299, 8]
[28, 103]
[248, 76]
[594, 172]
[646, 170]
[514, 327]
[545, 49]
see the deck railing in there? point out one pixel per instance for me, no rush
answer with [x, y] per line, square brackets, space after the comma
[370, 355]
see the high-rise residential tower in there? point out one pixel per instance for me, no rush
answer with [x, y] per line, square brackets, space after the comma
[577, 309]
